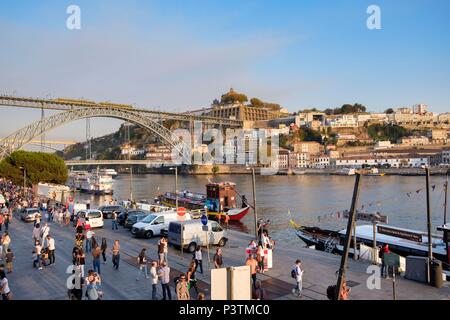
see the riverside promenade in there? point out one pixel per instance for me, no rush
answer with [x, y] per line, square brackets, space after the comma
[320, 267]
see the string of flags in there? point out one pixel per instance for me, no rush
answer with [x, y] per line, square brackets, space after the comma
[370, 205]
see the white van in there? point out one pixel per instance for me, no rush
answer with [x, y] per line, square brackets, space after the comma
[94, 217]
[189, 234]
[155, 223]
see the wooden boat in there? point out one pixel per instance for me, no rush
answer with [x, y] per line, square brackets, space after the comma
[220, 199]
[404, 242]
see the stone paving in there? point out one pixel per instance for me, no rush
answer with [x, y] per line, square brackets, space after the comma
[320, 267]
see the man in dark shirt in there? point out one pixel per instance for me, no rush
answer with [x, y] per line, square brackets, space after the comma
[218, 259]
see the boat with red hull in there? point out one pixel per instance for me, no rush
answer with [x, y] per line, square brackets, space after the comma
[220, 198]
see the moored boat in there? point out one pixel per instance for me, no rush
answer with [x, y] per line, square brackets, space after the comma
[402, 241]
[220, 198]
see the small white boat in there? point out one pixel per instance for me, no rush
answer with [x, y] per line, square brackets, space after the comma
[346, 172]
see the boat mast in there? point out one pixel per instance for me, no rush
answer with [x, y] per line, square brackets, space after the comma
[445, 199]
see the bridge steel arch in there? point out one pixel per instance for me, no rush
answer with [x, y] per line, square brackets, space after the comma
[23, 136]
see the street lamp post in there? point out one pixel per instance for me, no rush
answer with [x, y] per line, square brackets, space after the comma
[254, 202]
[176, 185]
[24, 180]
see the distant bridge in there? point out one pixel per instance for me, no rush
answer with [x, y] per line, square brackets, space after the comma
[69, 104]
[116, 162]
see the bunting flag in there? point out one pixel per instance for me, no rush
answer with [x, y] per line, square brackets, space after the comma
[408, 194]
[417, 191]
[433, 187]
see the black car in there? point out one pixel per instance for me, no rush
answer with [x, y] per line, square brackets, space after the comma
[134, 218]
[108, 210]
[122, 217]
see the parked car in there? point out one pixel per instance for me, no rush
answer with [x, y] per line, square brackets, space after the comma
[154, 223]
[107, 211]
[122, 217]
[30, 214]
[135, 218]
[189, 234]
[94, 217]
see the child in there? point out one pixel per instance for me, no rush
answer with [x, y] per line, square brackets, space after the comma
[34, 257]
[9, 260]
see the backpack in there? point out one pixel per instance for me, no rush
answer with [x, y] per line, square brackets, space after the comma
[294, 273]
[331, 291]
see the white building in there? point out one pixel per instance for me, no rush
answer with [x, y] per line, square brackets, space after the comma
[321, 161]
[383, 145]
[343, 121]
[299, 160]
[394, 162]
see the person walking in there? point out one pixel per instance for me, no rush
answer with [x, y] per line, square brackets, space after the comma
[9, 260]
[252, 263]
[89, 235]
[142, 262]
[4, 287]
[81, 261]
[6, 241]
[161, 250]
[103, 247]
[114, 221]
[297, 274]
[226, 220]
[51, 249]
[44, 232]
[116, 254]
[260, 257]
[198, 259]
[36, 233]
[259, 293]
[7, 221]
[166, 249]
[96, 252]
[182, 288]
[384, 269]
[154, 278]
[1, 221]
[218, 259]
[190, 277]
[38, 251]
[164, 274]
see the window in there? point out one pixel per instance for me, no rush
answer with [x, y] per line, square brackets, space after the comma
[95, 214]
[215, 227]
[159, 220]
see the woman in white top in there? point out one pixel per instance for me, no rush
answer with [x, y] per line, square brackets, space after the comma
[4, 287]
[198, 259]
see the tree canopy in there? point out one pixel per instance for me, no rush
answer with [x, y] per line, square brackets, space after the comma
[383, 132]
[39, 167]
[347, 108]
[389, 111]
[233, 97]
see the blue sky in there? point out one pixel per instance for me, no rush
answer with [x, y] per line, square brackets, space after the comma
[177, 55]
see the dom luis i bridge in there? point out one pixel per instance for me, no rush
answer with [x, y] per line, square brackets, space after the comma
[69, 110]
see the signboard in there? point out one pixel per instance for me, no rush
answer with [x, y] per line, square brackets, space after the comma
[204, 219]
[181, 211]
[205, 228]
[392, 259]
[377, 217]
[408, 235]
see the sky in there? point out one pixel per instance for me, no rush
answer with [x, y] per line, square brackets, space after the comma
[180, 55]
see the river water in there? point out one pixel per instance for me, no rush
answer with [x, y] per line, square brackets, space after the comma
[309, 200]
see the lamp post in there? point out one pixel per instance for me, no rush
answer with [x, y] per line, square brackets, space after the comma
[24, 180]
[176, 185]
[254, 201]
[131, 182]
[430, 244]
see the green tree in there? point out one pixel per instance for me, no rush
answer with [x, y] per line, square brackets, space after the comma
[233, 97]
[39, 167]
[383, 132]
[257, 103]
[389, 111]
[215, 169]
